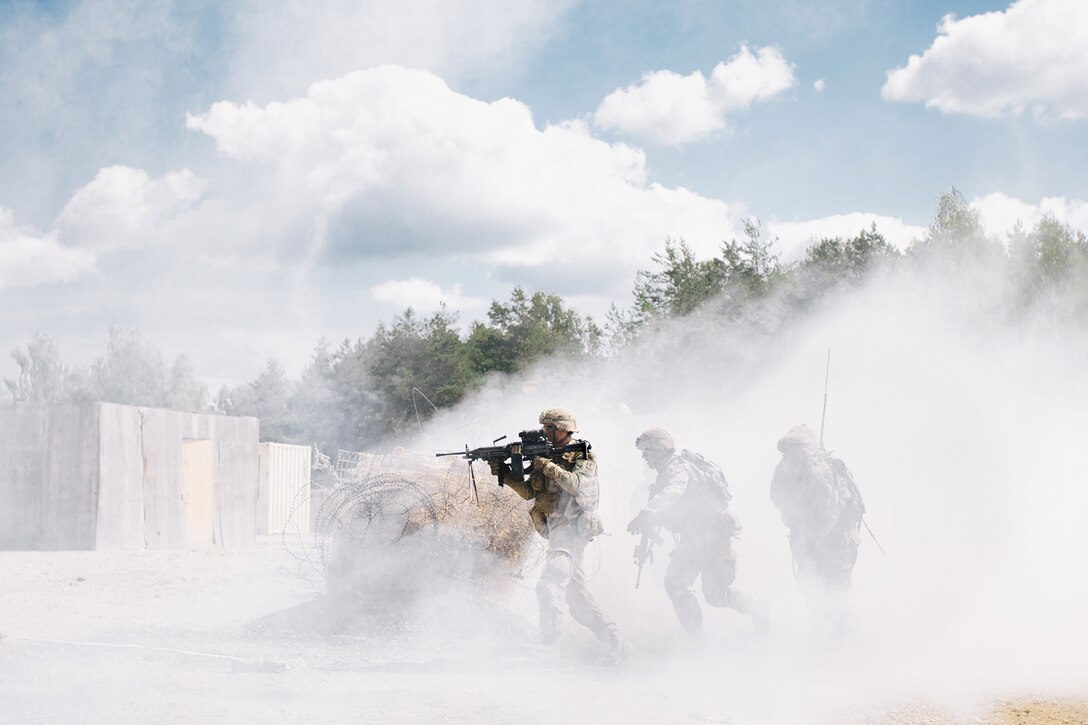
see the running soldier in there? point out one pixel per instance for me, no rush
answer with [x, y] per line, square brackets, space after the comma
[690, 499]
[822, 508]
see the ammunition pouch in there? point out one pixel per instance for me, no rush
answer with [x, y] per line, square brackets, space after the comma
[547, 502]
[540, 520]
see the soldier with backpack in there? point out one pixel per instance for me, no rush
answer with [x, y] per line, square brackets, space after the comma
[690, 499]
[822, 508]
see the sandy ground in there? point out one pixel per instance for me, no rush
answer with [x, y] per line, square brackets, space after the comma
[241, 636]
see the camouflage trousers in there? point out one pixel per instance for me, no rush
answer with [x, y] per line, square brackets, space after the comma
[828, 563]
[563, 579]
[706, 555]
[824, 574]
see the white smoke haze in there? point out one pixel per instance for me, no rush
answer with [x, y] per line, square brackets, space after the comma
[960, 421]
[960, 416]
[341, 159]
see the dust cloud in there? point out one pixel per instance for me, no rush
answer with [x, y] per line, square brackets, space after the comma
[960, 414]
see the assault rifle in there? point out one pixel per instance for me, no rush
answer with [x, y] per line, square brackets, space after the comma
[644, 551]
[530, 444]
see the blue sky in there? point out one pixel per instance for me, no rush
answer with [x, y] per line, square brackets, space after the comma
[240, 179]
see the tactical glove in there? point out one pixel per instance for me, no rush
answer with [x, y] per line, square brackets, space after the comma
[640, 522]
[540, 463]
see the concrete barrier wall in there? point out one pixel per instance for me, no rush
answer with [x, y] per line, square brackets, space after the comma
[121, 472]
[22, 468]
[235, 515]
[101, 475]
[48, 476]
[70, 492]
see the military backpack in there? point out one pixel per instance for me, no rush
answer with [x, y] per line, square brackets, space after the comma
[851, 504]
[708, 473]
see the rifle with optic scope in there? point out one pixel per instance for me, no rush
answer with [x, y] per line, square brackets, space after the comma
[530, 444]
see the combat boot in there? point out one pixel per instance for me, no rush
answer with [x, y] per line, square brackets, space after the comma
[619, 649]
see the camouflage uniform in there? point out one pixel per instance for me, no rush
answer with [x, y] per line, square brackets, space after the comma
[823, 515]
[565, 492]
[694, 509]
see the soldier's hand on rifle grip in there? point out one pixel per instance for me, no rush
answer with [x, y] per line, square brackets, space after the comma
[637, 523]
[496, 467]
[540, 463]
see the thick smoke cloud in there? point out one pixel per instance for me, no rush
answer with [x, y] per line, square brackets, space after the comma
[960, 415]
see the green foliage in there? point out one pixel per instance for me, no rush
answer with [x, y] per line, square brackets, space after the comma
[1057, 251]
[621, 328]
[184, 390]
[956, 234]
[1051, 260]
[679, 285]
[132, 372]
[42, 377]
[266, 398]
[409, 357]
[745, 272]
[835, 262]
[528, 328]
[750, 268]
[368, 390]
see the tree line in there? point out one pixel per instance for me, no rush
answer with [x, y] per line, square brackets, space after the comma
[366, 390]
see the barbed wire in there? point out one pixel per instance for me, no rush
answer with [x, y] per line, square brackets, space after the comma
[384, 505]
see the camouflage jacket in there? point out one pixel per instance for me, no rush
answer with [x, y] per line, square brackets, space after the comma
[566, 492]
[804, 490]
[683, 498]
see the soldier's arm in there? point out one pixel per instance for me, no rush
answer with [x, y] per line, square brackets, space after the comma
[676, 482]
[521, 488]
[506, 477]
[571, 481]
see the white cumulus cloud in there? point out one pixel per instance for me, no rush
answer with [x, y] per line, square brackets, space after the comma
[425, 296]
[124, 207]
[1032, 57]
[670, 108]
[1001, 213]
[29, 258]
[795, 237]
[398, 164]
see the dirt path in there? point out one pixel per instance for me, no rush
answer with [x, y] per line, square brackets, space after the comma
[239, 636]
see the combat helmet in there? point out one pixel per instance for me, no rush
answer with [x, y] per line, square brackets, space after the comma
[799, 437]
[561, 418]
[657, 447]
[655, 438]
